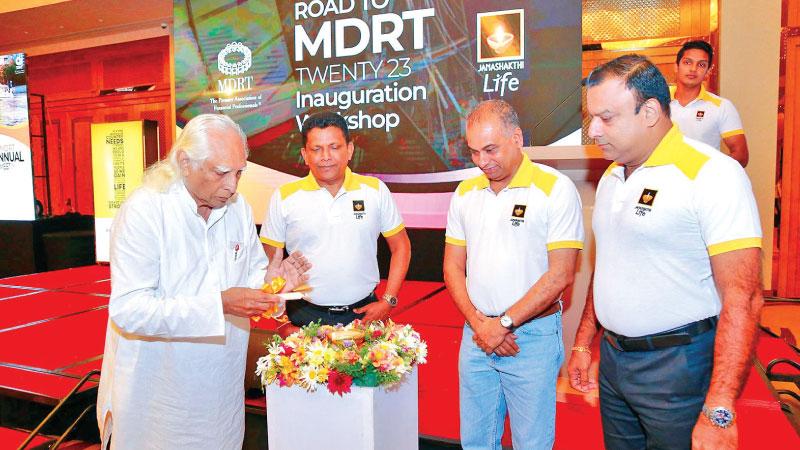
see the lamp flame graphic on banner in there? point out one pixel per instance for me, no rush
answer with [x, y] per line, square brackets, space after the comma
[118, 158]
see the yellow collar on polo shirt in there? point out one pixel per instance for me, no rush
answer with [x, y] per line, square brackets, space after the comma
[703, 95]
[709, 97]
[352, 182]
[527, 174]
[530, 174]
[673, 150]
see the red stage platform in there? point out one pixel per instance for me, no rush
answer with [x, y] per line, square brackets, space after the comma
[52, 329]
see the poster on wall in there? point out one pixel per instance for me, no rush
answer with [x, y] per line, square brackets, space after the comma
[16, 169]
[403, 74]
[118, 155]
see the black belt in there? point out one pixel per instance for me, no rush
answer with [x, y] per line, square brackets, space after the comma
[552, 309]
[670, 338]
[343, 309]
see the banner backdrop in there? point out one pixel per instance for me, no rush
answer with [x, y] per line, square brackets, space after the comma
[16, 169]
[403, 74]
[117, 169]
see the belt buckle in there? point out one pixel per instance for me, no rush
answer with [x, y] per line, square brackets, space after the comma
[343, 308]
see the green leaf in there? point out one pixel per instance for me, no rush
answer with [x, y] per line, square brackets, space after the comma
[311, 329]
[369, 379]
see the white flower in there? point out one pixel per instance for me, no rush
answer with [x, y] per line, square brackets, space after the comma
[308, 377]
[318, 353]
[275, 349]
[422, 353]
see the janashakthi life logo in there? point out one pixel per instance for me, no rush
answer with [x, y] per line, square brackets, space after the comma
[500, 35]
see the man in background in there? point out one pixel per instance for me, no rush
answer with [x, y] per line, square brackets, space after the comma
[700, 114]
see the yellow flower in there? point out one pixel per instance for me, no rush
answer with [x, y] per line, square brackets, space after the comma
[322, 375]
[286, 364]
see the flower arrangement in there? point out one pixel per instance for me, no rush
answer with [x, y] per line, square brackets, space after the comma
[364, 354]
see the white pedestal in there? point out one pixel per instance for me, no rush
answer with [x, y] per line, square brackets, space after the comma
[364, 419]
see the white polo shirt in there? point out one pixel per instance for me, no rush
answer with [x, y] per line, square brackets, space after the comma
[337, 233]
[656, 231]
[708, 118]
[508, 234]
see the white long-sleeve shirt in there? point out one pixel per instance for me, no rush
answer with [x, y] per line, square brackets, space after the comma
[173, 369]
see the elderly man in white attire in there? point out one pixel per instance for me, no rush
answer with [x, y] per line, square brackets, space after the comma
[186, 268]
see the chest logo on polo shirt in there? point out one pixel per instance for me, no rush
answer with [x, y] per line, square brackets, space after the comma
[358, 209]
[699, 116]
[646, 201]
[518, 215]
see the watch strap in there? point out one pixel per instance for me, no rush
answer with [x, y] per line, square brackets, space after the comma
[390, 299]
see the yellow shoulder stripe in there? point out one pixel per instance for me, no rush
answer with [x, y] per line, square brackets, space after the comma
[736, 244]
[610, 168]
[479, 182]
[354, 181]
[307, 183]
[529, 174]
[674, 150]
[543, 180]
[709, 97]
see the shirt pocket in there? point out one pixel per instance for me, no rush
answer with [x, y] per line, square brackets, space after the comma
[235, 253]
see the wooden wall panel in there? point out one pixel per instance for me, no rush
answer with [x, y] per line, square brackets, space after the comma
[71, 82]
[117, 71]
[54, 128]
[82, 152]
[792, 13]
[789, 237]
[662, 57]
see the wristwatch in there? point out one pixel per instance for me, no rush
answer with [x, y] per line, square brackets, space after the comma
[390, 299]
[719, 416]
[507, 321]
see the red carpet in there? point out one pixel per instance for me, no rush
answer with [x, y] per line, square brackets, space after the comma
[51, 335]
[45, 305]
[59, 279]
[10, 439]
[57, 343]
[8, 292]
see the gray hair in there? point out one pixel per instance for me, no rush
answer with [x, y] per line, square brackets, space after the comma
[498, 109]
[195, 141]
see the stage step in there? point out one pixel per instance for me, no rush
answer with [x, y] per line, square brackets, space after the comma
[10, 438]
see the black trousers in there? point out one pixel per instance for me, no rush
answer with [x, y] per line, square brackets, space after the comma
[302, 313]
[651, 399]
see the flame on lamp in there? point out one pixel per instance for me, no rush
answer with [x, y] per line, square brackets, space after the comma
[500, 39]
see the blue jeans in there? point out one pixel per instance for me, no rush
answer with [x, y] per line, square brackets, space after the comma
[524, 385]
[652, 399]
